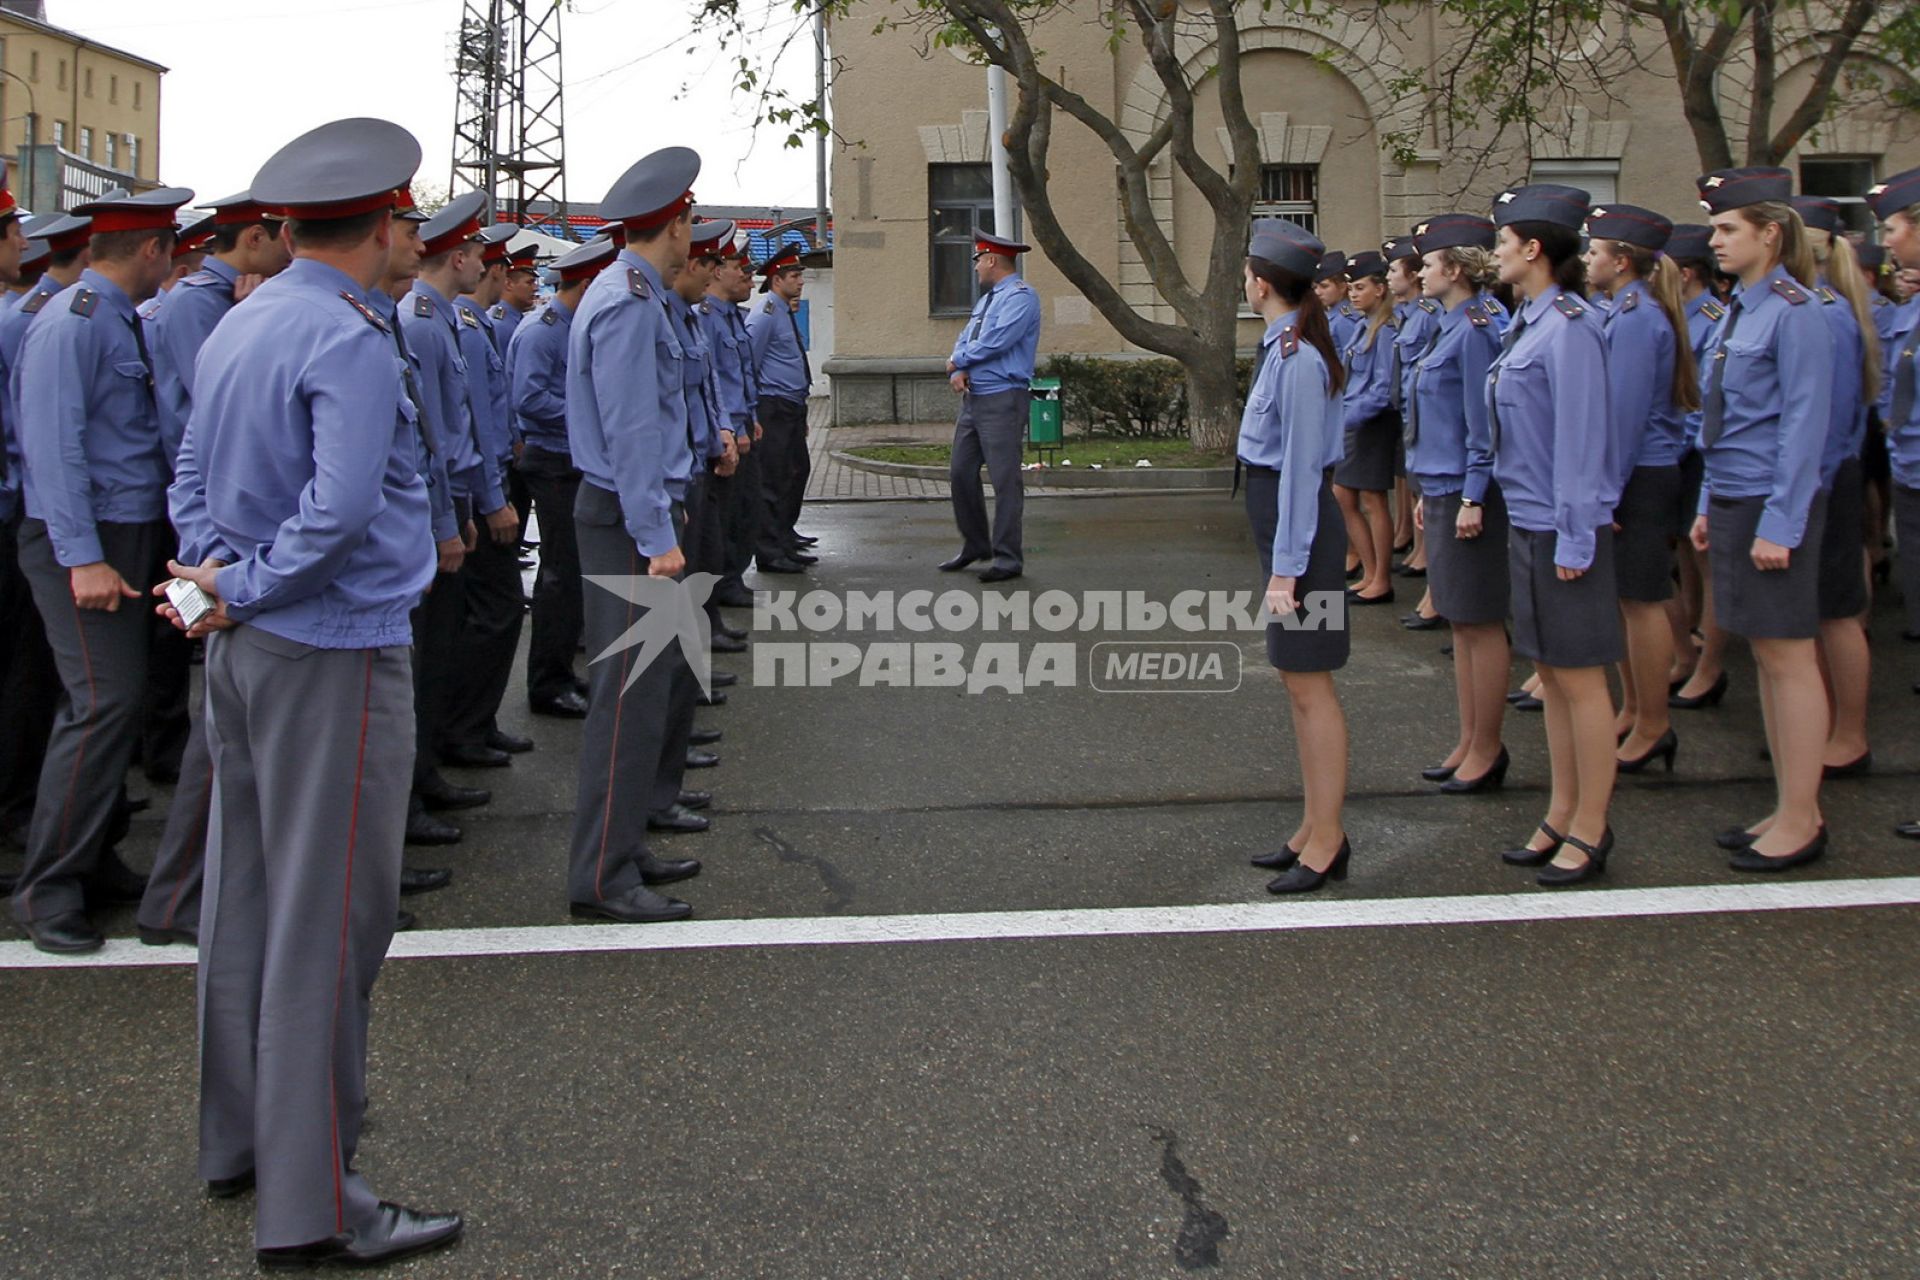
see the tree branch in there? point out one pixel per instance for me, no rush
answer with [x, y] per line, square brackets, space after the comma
[1760, 118]
[1813, 106]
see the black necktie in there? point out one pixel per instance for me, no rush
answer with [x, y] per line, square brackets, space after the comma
[980, 320]
[800, 344]
[1493, 382]
[140, 341]
[1713, 409]
[413, 389]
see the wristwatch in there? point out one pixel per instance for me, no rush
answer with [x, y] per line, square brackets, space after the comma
[1469, 504]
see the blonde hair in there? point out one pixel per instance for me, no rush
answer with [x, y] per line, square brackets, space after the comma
[1796, 252]
[1844, 273]
[1475, 265]
[1664, 282]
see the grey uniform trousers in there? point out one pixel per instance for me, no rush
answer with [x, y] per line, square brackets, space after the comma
[992, 428]
[102, 660]
[626, 735]
[172, 899]
[312, 750]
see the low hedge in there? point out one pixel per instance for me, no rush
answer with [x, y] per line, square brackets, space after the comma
[1131, 399]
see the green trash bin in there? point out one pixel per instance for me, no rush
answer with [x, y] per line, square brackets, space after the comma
[1043, 419]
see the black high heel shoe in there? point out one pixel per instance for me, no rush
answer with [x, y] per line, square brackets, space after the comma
[1711, 698]
[1438, 772]
[1488, 781]
[1855, 768]
[1279, 860]
[1301, 878]
[1750, 859]
[1664, 750]
[1733, 839]
[1596, 864]
[1527, 856]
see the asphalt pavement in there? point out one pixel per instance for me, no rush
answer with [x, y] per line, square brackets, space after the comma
[1728, 1093]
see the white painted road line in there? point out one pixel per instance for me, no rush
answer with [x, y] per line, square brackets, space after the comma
[1097, 922]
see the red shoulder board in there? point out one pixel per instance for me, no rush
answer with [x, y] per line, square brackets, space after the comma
[368, 312]
[84, 301]
[1569, 306]
[1289, 343]
[637, 283]
[1790, 291]
[33, 304]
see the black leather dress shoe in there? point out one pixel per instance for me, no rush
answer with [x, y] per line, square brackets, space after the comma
[564, 706]
[802, 557]
[806, 539]
[998, 573]
[1279, 860]
[657, 870]
[1908, 830]
[779, 565]
[697, 759]
[68, 934]
[735, 633]
[694, 799]
[721, 642]
[677, 818]
[425, 829]
[398, 1232]
[438, 793]
[723, 679]
[511, 743]
[733, 597]
[469, 756]
[227, 1188]
[153, 937]
[424, 879]
[1419, 622]
[1355, 598]
[704, 737]
[1751, 859]
[635, 906]
[404, 921]
[718, 698]
[959, 562]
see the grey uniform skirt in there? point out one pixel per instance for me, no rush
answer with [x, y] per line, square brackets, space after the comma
[1564, 624]
[1649, 518]
[1368, 464]
[1468, 577]
[1777, 604]
[1843, 562]
[1325, 644]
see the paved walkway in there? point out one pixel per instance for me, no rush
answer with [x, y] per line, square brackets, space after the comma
[833, 481]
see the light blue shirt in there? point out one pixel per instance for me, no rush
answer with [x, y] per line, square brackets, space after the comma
[1369, 360]
[1649, 430]
[89, 433]
[997, 348]
[1418, 320]
[1903, 383]
[696, 378]
[1847, 420]
[1554, 454]
[487, 385]
[537, 371]
[778, 361]
[446, 522]
[194, 307]
[13, 332]
[1449, 445]
[1345, 323]
[506, 323]
[432, 329]
[726, 333]
[626, 400]
[1704, 313]
[1778, 379]
[1291, 424]
[301, 466]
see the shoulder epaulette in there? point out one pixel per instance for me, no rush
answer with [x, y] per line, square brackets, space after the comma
[1477, 315]
[498, 311]
[1827, 295]
[1289, 343]
[1712, 310]
[1790, 291]
[366, 311]
[33, 304]
[84, 301]
[1569, 306]
[549, 316]
[1881, 300]
[1629, 302]
[422, 305]
[1429, 306]
[467, 318]
[637, 283]
[203, 279]
[706, 307]
[768, 309]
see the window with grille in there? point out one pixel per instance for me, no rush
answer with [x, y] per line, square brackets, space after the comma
[1290, 191]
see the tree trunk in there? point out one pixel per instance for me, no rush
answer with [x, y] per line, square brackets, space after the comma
[1213, 403]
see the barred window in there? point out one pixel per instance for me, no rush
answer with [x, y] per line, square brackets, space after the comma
[1290, 191]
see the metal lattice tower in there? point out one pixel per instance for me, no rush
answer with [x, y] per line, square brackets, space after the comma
[509, 126]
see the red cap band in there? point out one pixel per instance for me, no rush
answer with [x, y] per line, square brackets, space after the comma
[452, 239]
[154, 219]
[330, 212]
[660, 217]
[242, 215]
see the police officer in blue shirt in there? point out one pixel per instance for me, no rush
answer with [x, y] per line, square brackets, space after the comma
[992, 369]
[24, 655]
[784, 375]
[716, 491]
[1554, 457]
[1330, 282]
[95, 535]
[519, 294]
[537, 368]
[628, 427]
[1289, 440]
[301, 508]
[1450, 458]
[739, 397]
[1414, 318]
[1766, 405]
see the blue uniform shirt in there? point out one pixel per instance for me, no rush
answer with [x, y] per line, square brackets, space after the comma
[1291, 423]
[537, 373]
[1903, 385]
[696, 378]
[1778, 379]
[432, 326]
[486, 384]
[194, 307]
[1418, 321]
[88, 430]
[1345, 322]
[997, 347]
[446, 523]
[506, 323]
[1704, 312]
[1369, 360]
[1452, 451]
[302, 466]
[778, 361]
[726, 332]
[1648, 428]
[13, 331]
[1554, 453]
[1847, 419]
[626, 401]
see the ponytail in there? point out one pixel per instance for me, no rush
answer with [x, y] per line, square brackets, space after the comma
[1310, 317]
[1380, 315]
[1664, 282]
[1850, 282]
[1796, 251]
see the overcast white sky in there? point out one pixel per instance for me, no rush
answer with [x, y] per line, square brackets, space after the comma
[247, 77]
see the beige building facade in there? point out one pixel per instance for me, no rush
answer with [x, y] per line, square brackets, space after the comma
[76, 116]
[911, 182]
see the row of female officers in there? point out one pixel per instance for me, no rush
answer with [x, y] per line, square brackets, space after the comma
[1560, 451]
